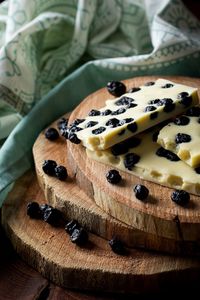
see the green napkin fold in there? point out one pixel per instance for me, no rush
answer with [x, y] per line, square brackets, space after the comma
[54, 53]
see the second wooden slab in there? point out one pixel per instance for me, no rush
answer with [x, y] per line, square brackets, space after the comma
[159, 216]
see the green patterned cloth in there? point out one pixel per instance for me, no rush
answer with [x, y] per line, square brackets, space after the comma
[53, 53]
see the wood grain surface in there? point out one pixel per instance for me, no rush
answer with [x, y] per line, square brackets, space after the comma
[94, 267]
[159, 215]
[75, 204]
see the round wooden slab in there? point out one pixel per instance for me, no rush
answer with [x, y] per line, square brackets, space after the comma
[159, 216]
[76, 204]
[94, 267]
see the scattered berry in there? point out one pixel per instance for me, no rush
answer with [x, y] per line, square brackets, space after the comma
[33, 210]
[43, 207]
[119, 111]
[141, 191]
[106, 112]
[49, 167]
[51, 134]
[116, 88]
[70, 226]
[61, 172]
[117, 246]
[119, 149]
[113, 177]
[79, 236]
[180, 197]
[52, 216]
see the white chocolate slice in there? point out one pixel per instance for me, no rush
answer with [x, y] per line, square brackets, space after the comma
[135, 119]
[188, 148]
[174, 174]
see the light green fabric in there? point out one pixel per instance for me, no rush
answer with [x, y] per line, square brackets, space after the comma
[53, 53]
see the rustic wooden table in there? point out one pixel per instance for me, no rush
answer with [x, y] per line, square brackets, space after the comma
[19, 281]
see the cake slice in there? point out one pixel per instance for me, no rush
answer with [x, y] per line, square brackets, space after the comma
[132, 113]
[182, 136]
[143, 157]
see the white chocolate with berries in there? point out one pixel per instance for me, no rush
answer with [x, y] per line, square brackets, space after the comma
[182, 136]
[134, 112]
[143, 157]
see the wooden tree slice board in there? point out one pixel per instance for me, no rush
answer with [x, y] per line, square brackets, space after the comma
[75, 204]
[159, 216]
[94, 267]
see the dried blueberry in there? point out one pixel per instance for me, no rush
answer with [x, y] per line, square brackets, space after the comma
[116, 88]
[180, 197]
[126, 120]
[91, 124]
[149, 108]
[181, 121]
[167, 154]
[61, 172]
[117, 246]
[193, 111]
[124, 101]
[33, 210]
[119, 111]
[149, 83]
[94, 112]
[113, 123]
[182, 95]
[167, 85]
[51, 134]
[52, 216]
[134, 89]
[98, 130]
[132, 127]
[77, 122]
[49, 167]
[154, 115]
[119, 149]
[155, 101]
[182, 138]
[168, 104]
[155, 136]
[70, 226]
[106, 112]
[79, 236]
[141, 191]
[133, 142]
[113, 176]
[130, 160]
[73, 129]
[186, 101]
[131, 105]
[62, 123]
[72, 137]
